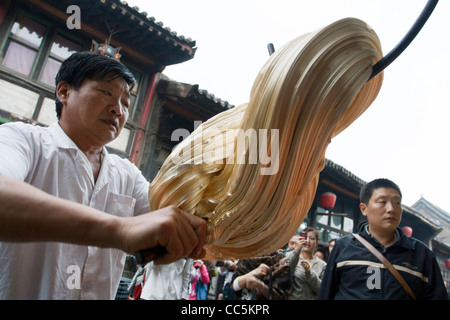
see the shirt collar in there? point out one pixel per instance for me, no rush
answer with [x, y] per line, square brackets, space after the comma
[62, 140]
[401, 239]
[397, 235]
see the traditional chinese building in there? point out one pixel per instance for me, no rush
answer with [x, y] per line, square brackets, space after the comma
[37, 35]
[440, 243]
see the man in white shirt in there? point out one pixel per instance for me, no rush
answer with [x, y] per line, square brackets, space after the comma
[69, 210]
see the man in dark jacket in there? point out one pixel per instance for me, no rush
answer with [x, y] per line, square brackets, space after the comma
[353, 272]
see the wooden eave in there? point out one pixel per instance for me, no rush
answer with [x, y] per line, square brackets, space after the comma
[190, 101]
[138, 36]
[340, 179]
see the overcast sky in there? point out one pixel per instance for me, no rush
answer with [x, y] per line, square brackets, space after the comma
[404, 136]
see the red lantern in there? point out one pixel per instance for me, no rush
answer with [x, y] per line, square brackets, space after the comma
[407, 231]
[447, 263]
[327, 200]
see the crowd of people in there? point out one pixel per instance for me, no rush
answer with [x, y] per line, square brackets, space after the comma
[293, 272]
[352, 267]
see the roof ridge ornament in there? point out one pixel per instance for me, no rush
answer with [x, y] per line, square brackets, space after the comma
[105, 48]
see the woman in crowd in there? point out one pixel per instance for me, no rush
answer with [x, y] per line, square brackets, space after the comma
[307, 269]
[199, 278]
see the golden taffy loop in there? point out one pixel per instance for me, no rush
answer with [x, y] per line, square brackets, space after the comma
[309, 91]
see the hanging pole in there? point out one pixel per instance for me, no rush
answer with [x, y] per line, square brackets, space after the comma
[404, 43]
[271, 48]
[401, 46]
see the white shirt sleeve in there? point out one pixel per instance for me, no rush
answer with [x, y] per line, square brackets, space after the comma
[16, 151]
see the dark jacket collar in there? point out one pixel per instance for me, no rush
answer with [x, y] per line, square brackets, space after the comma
[402, 239]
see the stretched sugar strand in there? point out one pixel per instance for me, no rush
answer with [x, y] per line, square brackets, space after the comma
[309, 91]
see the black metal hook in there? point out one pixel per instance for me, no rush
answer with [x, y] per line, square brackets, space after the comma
[401, 46]
[404, 43]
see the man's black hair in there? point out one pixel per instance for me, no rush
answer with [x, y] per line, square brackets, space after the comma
[87, 65]
[367, 190]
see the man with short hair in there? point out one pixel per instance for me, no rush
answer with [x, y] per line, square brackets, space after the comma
[353, 272]
[69, 209]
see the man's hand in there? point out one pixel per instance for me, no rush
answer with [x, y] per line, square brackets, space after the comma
[28, 214]
[181, 234]
[262, 270]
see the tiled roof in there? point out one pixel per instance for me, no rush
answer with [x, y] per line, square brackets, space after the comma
[437, 215]
[347, 173]
[433, 210]
[136, 30]
[425, 219]
[147, 34]
[192, 94]
[180, 39]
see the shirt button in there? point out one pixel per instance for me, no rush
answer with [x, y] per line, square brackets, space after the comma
[87, 285]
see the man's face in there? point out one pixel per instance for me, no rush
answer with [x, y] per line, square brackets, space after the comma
[96, 112]
[384, 211]
[292, 241]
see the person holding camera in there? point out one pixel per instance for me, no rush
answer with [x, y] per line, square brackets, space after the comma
[225, 270]
[307, 269]
[265, 277]
[199, 281]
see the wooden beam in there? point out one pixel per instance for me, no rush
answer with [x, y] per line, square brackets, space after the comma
[340, 189]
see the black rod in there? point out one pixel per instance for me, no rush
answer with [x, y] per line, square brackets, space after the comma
[271, 48]
[404, 43]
